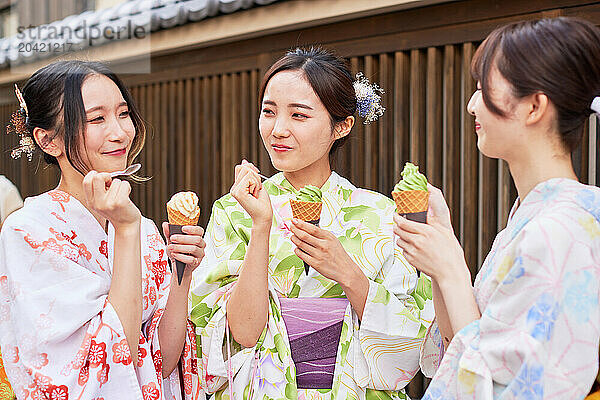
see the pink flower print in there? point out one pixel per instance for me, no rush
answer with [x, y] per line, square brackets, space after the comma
[39, 360]
[141, 355]
[102, 374]
[187, 383]
[59, 392]
[121, 352]
[150, 391]
[152, 295]
[103, 249]
[42, 382]
[157, 360]
[60, 198]
[84, 375]
[97, 354]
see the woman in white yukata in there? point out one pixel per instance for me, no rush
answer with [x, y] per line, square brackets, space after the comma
[88, 309]
[530, 326]
[350, 328]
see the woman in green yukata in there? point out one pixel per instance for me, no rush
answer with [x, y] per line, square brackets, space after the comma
[353, 325]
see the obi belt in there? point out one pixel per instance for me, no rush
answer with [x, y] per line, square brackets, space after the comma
[314, 326]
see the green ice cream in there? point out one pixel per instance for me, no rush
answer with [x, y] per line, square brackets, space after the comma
[309, 193]
[412, 179]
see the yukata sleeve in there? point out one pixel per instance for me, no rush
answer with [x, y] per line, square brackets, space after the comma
[156, 287]
[60, 335]
[211, 284]
[538, 336]
[398, 312]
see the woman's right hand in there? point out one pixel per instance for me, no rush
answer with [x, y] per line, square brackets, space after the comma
[249, 191]
[110, 198]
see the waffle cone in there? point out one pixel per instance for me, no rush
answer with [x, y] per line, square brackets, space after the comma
[411, 201]
[177, 218]
[306, 210]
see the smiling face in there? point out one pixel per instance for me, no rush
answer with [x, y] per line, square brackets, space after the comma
[498, 136]
[295, 126]
[109, 130]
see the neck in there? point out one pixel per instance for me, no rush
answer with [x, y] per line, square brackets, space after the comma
[539, 165]
[315, 174]
[71, 182]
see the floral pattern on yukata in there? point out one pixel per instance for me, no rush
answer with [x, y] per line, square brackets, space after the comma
[376, 358]
[60, 336]
[538, 292]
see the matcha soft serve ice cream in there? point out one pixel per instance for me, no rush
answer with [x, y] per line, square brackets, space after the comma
[411, 194]
[307, 206]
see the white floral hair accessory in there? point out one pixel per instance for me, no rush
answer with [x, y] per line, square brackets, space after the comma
[368, 99]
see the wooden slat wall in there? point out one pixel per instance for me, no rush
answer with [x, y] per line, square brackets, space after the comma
[200, 127]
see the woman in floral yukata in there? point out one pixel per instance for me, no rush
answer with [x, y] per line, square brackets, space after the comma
[350, 328]
[529, 328]
[88, 309]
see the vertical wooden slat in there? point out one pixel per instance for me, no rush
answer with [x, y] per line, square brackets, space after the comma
[451, 130]
[357, 143]
[166, 148]
[215, 135]
[417, 107]
[401, 112]
[433, 119]
[385, 154]
[226, 132]
[255, 141]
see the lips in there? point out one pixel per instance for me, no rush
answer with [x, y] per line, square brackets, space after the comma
[281, 147]
[118, 152]
[477, 126]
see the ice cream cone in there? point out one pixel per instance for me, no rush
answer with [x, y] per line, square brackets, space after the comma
[307, 211]
[177, 219]
[412, 204]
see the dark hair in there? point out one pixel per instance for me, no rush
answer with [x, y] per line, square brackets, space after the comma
[559, 57]
[54, 102]
[328, 75]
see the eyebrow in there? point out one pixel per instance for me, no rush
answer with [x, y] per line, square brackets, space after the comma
[123, 103]
[291, 105]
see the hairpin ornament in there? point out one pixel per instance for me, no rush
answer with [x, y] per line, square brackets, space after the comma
[595, 106]
[18, 125]
[368, 99]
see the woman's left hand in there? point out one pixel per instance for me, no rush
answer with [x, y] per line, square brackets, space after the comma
[188, 248]
[322, 250]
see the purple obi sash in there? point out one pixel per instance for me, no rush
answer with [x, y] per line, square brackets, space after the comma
[314, 326]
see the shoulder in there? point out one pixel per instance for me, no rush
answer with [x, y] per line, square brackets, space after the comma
[32, 213]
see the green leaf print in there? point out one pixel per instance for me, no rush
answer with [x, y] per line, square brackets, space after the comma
[295, 291]
[291, 392]
[272, 189]
[274, 309]
[200, 314]
[419, 300]
[377, 395]
[382, 296]
[383, 203]
[226, 201]
[345, 193]
[239, 218]
[239, 253]
[364, 214]
[280, 347]
[335, 291]
[284, 265]
[424, 288]
[352, 244]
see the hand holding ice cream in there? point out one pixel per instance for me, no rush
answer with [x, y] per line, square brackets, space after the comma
[188, 246]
